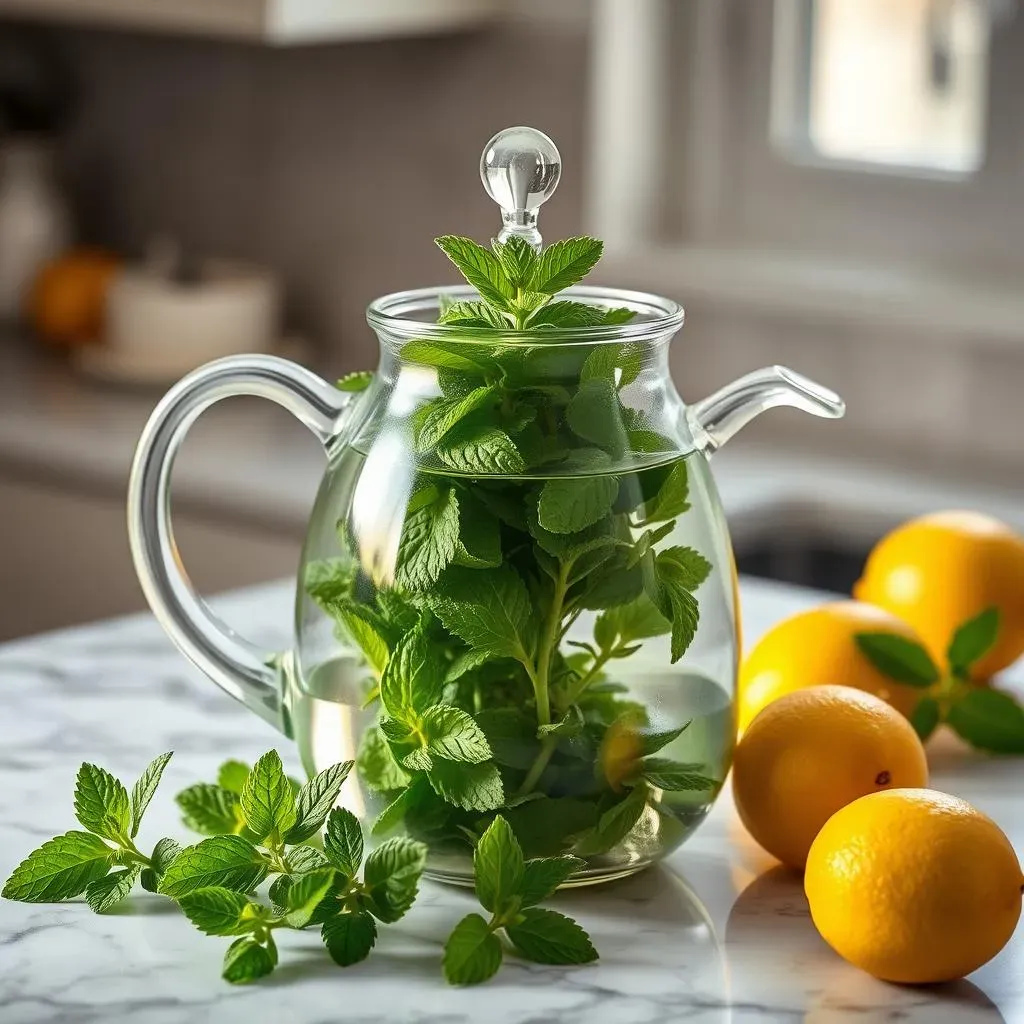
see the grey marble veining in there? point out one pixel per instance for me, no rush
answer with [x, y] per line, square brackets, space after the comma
[714, 935]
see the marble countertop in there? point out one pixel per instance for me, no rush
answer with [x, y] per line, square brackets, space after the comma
[715, 934]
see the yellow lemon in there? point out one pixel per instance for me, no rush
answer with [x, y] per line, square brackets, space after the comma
[818, 647]
[938, 571]
[913, 886]
[812, 752]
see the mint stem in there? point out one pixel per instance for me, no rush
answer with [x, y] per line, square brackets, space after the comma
[548, 643]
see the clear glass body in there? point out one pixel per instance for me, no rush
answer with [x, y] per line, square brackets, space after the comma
[605, 741]
[517, 594]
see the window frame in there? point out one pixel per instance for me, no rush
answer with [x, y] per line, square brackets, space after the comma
[737, 191]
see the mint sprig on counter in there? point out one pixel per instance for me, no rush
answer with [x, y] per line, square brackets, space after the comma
[104, 862]
[269, 827]
[987, 718]
[510, 887]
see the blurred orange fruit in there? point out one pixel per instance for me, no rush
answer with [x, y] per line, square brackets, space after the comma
[817, 647]
[68, 300]
[913, 886]
[812, 752]
[941, 570]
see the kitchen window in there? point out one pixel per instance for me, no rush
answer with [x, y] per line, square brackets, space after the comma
[852, 149]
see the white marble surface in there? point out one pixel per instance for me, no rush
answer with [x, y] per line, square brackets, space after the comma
[714, 935]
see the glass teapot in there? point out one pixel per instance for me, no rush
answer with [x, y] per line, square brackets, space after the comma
[517, 593]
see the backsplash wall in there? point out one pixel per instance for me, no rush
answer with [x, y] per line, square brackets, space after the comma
[334, 164]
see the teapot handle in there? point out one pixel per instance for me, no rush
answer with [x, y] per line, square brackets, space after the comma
[248, 673]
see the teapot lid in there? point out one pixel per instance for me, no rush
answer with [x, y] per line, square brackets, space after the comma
[520, 168]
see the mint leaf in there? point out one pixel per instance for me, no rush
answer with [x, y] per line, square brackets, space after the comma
[682, 568]
[569, 504]
[305, 894]
[472, 953]
[305, 858]
[429, 539]
[517, 259]
[620, 365]
[360, 380]
[480, 448]
[473, 787]
[162, 856]
[267, 801]
[594, 414]
[391, 877]
[361, 630]
[546, 825]
[143, 790]
[652, 742]
[452, 733]
[314, 802]
[61, 868]
[498, 867]
[972, 640]
[107, 892]
[902, 660]
[925, 717]
[101, 803]
[542, 877]
[246, 961]
[349, 937]
[663, 773]
[232, 775]
[447, 355]
[672, 498]
[474, 314]
[650, 442]
[564, 264]
[441, 415]
[215, 910]
[228, 861]
[488, 609]
[566, 314]
[989, 720]
[377, 765]
[636, 620]
[480, 268]
[413, 679]
[615, 824]
[619, 315]
[343, 841]
[479, 545]
[547, 937]
[208, 809]
[679, 570]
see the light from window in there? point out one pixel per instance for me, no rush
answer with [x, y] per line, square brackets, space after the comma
[898, 82]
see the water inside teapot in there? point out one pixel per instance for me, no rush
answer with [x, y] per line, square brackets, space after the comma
[334, 710]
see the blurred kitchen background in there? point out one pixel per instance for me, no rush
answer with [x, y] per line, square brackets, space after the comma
[835, 185]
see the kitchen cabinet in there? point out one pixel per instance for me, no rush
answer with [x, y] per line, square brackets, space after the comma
[64, 556]
[277, 22]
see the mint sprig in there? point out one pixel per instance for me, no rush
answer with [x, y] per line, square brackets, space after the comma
[987, 718]
[509, 887]
[104, 862]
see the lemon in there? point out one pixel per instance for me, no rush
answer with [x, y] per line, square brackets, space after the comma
[817, 647]
[812, 752]
[941, 570]
[913, 886]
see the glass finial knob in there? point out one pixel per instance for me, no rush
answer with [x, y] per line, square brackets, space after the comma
[520, 168]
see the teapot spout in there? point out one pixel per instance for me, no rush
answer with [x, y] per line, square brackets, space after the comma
[718, 417]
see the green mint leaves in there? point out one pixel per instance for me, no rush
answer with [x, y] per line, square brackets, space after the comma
[102, 863]
[509, 887]
[987, 718]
